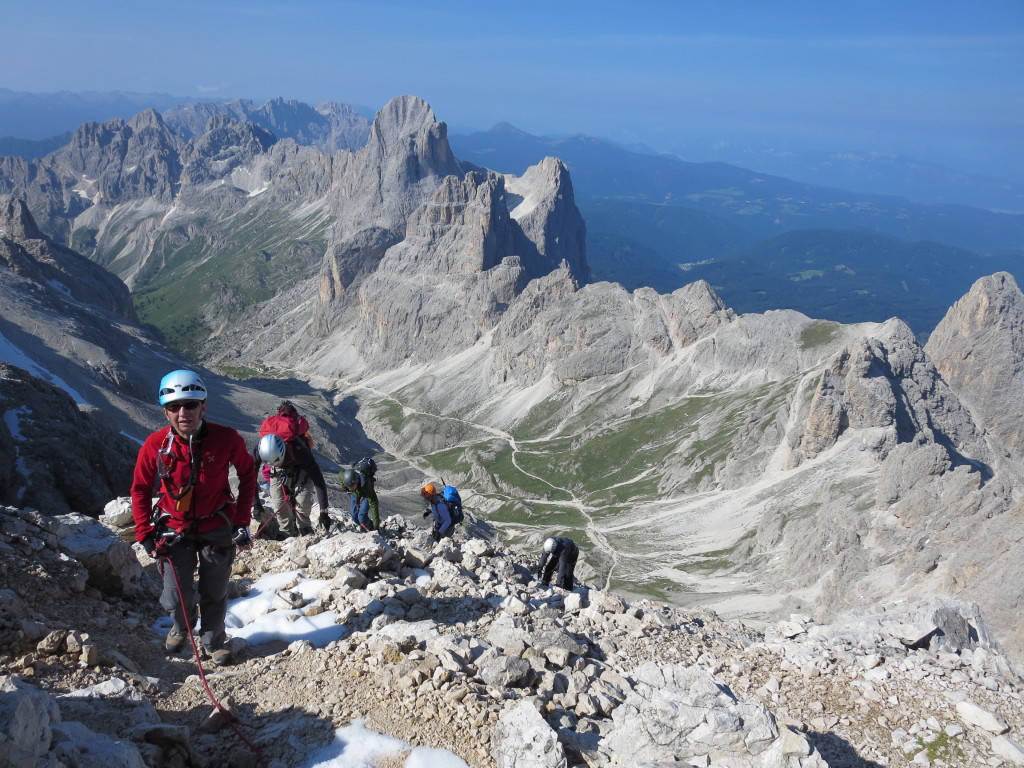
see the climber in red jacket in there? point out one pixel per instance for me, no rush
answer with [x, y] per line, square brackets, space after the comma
[195, 521]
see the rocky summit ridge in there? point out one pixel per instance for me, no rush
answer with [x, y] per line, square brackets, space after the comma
[456, 646]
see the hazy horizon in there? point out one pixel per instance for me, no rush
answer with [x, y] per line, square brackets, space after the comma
[940, 82]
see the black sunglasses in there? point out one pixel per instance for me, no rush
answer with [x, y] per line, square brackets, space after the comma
[188, 405]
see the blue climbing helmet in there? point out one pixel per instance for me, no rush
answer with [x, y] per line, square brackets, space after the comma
[181, 385]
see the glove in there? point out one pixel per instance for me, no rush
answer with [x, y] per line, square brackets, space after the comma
[325, 522]
[157, 546]
[426, 513]
[242, 539]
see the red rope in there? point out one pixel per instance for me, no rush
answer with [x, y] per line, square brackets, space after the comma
[228, 717]
[268, 521]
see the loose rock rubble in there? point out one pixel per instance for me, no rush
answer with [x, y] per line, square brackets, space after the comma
[456, 646]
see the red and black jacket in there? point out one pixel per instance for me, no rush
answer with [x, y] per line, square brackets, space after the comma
[191, 480]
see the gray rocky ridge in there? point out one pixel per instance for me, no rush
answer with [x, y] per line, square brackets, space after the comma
[456, 646]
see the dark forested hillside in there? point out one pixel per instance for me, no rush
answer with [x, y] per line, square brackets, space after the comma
[848, 276]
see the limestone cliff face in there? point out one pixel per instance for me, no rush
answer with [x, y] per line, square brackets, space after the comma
[404, 160]
[548, 217]
[25, 251]
[54, 456]
[119, 161]
[437, 254]
[71, 323]
[554, 330]
[978, 349]
[899, 489]
[462, 262]
[886, 382]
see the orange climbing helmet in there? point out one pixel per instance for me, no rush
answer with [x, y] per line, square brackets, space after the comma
[428, 491]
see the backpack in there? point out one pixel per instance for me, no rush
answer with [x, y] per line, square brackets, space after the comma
[287, 424]
[365, 466]
[454, 501]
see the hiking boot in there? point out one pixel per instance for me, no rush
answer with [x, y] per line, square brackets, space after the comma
[219, 656]
[175, 641]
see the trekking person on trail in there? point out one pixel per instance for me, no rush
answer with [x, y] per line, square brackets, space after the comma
[294, 479]
[292, 475]
[444, 525]
[364, 507]
[196, 522]
[560, 552]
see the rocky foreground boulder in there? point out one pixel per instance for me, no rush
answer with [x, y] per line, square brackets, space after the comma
[456, 646]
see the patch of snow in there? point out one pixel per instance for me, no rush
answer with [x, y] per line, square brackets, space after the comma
[355, 746]
[254, 619]
[58, 286]
[9, 353]
[12, 419]
[133, 438]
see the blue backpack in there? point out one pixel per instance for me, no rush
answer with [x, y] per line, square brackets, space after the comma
[454, 501]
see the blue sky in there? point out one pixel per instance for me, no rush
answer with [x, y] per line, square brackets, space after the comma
[938, 79]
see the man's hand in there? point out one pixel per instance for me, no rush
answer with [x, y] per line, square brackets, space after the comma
[242, 539]
[325, 522]
[426, 513]
[157, 546]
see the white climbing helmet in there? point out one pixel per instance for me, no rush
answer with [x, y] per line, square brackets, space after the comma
[272, 449]
[181, 385]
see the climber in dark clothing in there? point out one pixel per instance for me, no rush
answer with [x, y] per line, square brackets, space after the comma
[561, 553]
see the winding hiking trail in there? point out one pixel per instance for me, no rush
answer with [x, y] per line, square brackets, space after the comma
[593, 531]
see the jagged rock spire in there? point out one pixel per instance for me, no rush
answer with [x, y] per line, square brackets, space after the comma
[978, 348]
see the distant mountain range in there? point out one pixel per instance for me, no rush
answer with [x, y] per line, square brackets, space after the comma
[50, 118]
[25, 115]
[866, 171]
[658, 221]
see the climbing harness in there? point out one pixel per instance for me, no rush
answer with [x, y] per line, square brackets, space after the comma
[165, 464]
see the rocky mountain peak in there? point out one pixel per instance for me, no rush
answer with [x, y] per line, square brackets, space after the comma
[403, 116]
[117, 161]
[225, 145]
[146, 119]
[978, 348]
[405, 159]
[548, 216]
[16, 221]
[886, 381]
[54, 270]
[408, 149]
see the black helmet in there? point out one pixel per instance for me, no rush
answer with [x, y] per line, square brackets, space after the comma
[349, 477]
